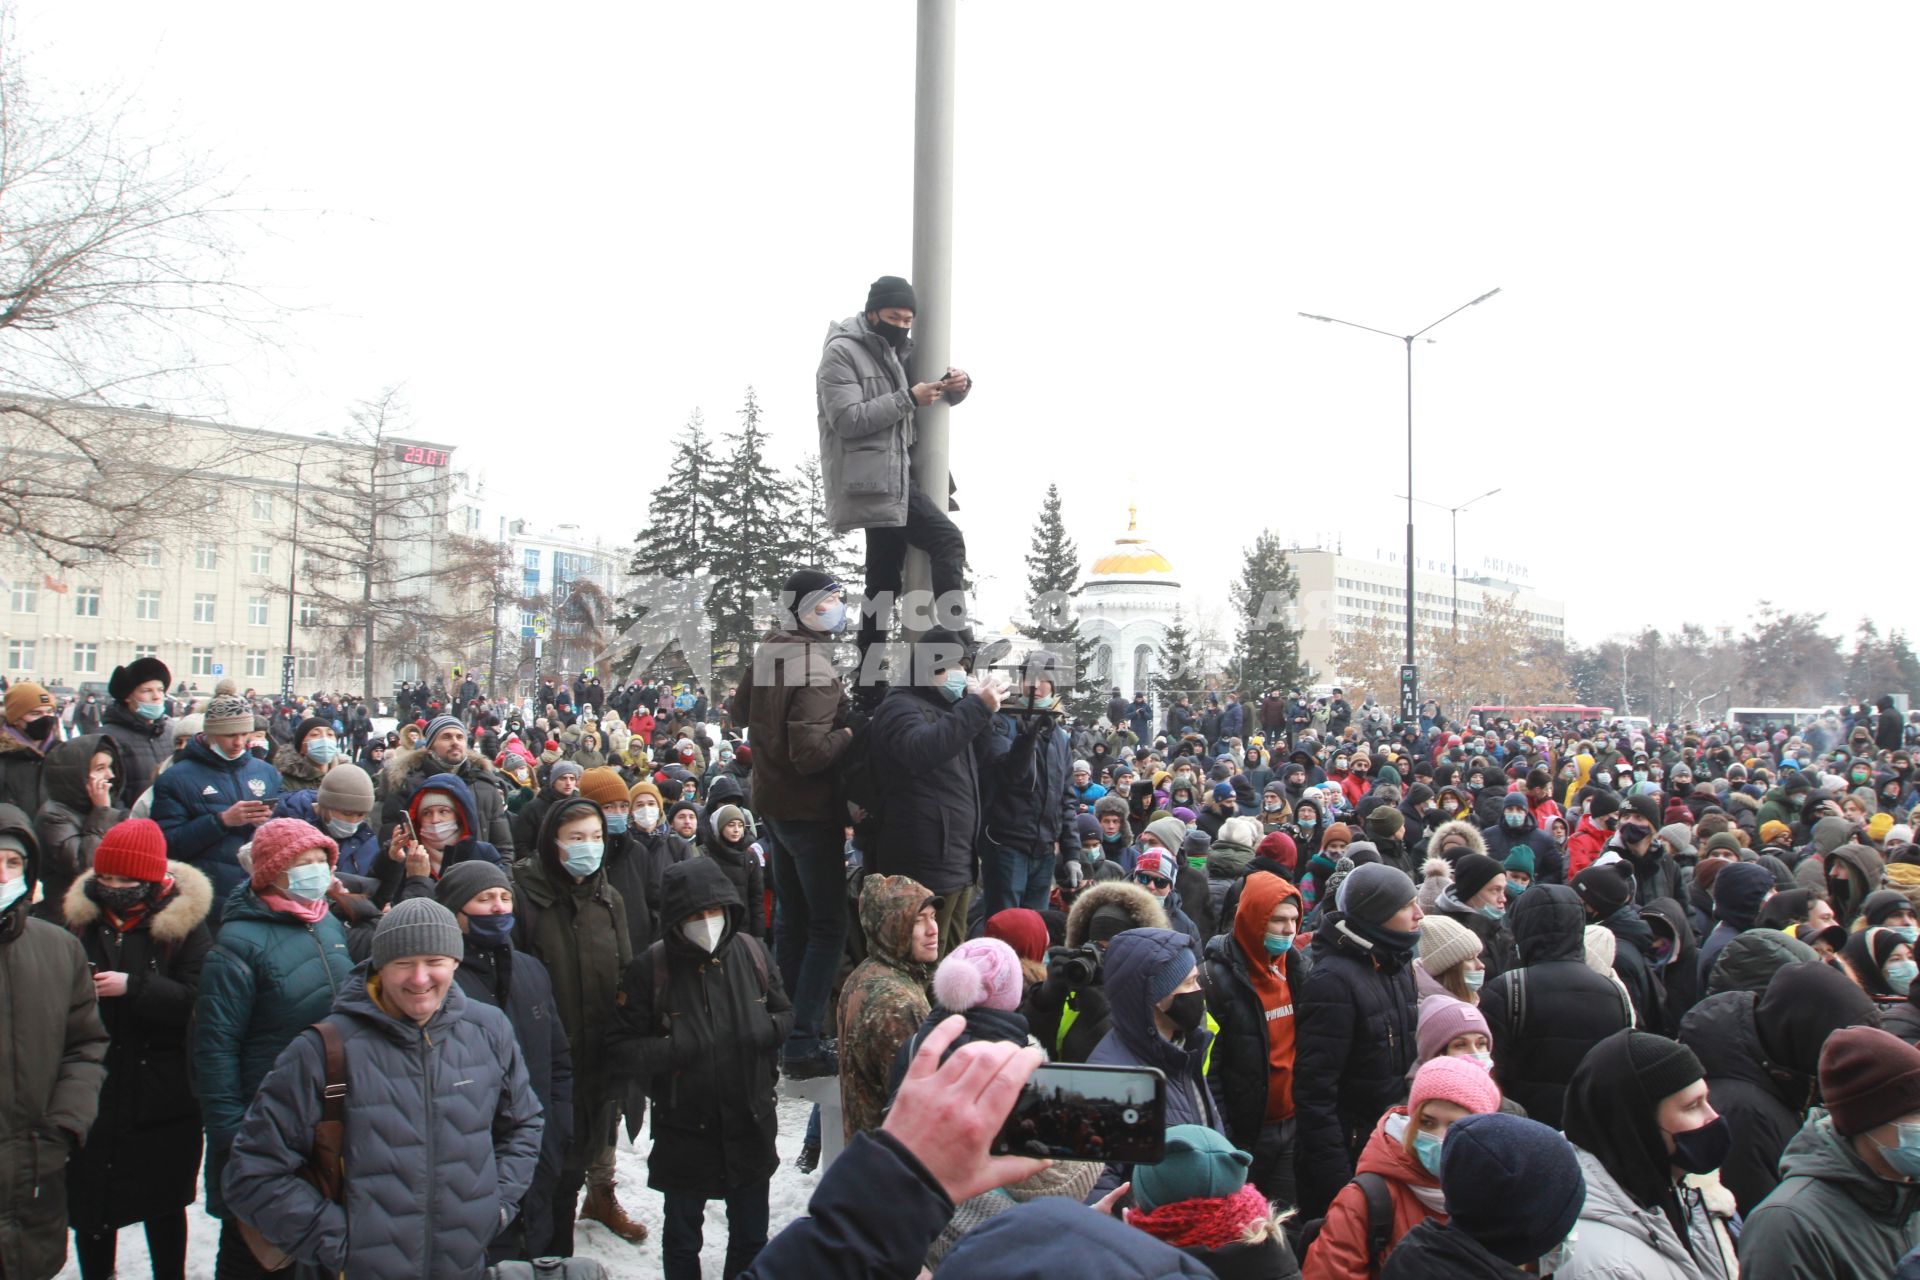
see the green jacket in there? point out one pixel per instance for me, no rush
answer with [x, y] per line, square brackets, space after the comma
[1830, 1217]
[269, 977]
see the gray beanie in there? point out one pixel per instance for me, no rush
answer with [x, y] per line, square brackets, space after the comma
[228, 714]
[463, 881]
[347, 788]
[416, 927]
[564, 769]
[1374, 892]
[436, 725]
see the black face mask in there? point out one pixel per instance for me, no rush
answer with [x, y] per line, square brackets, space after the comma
[1186, 1010]
[39, 730]
[1704, 1149]
[891, 334]
[118, 899]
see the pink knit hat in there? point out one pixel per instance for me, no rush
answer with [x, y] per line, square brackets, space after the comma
[1456, 1080]
[980, 971]
[277, 843]
[1441, 1019]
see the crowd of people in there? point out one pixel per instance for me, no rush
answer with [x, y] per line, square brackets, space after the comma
[1426, 998]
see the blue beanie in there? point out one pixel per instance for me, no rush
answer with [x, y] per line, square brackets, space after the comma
[1512, 1185]
[1738, 892]
[1199, 1164]
[1167, 957]
[1222, 790]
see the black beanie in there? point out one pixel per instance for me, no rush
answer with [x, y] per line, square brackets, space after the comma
[802, 583]
[1664, 1066]
[1471, 874]
[1604, 889]
[1604, 803]
[890, 291]
[1803, 1005]
[1513, 1185]
[1109, 921]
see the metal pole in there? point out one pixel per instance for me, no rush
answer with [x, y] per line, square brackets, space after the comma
[932, 257]
[293, 566]
[1455, 566]
[1409, 342]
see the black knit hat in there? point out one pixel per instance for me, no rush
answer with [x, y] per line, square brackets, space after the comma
[1513, 1185]
[1604, 889]
[1648, 808]
[1471, 874]
[1664, 1066]
[890, 291]
[306, 727]
[1603, 803]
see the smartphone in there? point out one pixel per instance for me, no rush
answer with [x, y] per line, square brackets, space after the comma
[405, 829]
[1080, 1111]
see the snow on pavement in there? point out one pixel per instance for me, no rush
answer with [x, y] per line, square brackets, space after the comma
[787, 1200]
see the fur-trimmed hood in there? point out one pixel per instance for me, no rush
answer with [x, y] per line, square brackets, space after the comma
[191, 901]
[1476, 843]
[402, 763]
[1144, 909]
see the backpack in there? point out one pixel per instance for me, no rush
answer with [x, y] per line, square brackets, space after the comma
[326, 1166]
[1379, 1221]
[1517, 1003]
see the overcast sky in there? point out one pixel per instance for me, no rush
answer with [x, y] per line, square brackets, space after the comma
[563, 228]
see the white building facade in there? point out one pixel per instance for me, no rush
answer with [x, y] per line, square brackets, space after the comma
[1124, 608]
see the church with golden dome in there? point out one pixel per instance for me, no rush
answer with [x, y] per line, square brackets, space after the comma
[1125, 606]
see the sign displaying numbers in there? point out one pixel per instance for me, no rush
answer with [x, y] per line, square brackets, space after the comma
[421, 456]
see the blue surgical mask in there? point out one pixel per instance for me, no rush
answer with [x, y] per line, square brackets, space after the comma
[491, 931]
[1906, 932]
[1094, 853]
[582, 859]
[830, 623]
[309, 883]
[1278, 944]
[1485, 1060]
[955, 685]
[1900, 975]
[616, 823]
[1492, 913]
[1904, 1158]
[1474, 978]
[150, 710]
[322, 750]
[1427, 1148]
[340, 828]
[222, 751]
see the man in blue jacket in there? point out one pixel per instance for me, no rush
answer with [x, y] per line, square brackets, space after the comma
[211, 799]
[1030, 806]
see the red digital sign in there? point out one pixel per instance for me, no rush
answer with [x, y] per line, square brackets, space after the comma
[420, 455]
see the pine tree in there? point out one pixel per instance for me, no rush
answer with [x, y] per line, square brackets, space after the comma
[1269, 645]
[1053, 574]
[1174, 673]
[815, 542]
[680, 511]
[750, 549]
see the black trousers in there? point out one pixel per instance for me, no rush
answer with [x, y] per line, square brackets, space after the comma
[929, 529]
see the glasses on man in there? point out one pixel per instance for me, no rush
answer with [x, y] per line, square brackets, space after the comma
[1153, 882]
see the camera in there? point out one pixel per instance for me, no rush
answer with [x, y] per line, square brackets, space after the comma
[1077, 966]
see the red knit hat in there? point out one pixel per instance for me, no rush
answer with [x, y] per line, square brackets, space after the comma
[135, 849]
[277, 843]
[1278, 846]
[1022, 929]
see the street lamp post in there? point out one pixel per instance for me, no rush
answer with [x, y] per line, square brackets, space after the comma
[1408, 339]
[1454, 563]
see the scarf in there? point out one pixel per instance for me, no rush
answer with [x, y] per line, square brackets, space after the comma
[1204, 1224]
[310, 912]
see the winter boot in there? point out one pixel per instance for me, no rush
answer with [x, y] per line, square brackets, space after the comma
[603, 1208]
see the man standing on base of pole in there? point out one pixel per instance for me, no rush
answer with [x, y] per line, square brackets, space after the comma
[867, 405]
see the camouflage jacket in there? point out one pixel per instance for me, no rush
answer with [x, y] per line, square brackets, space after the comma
[883, 1001]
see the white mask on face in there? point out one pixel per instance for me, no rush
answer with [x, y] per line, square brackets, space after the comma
[705, 932]
[646, 816]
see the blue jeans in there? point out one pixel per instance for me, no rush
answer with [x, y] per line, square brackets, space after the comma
[809, 920]
[686, 1215]
[1017, 879]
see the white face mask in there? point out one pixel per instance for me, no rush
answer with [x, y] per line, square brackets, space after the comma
[440, 832]
[646, 816]
[705, 932]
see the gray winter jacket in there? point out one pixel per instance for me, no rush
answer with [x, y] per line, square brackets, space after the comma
[865, 398]
[1618, 1240]
[443, 1133]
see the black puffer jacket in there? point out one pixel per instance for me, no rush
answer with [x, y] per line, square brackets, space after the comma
[1632, 964]
[924, 748]
[1564, 1008]
[1746, 1090]
[144, 746]
[705, 1051]
[70, 826]
[1237, 1068]
[1356, 1016]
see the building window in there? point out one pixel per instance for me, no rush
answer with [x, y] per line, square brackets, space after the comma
[259, 559]
[356, 668]
[203, 607]
[309, 614]
[256, 662]
[206, 556]
[19, 655]
[150, 554]
[257, 611]
[86, 602]
[26, 598]
[146, 606]
[531, 559]
[145, 651]
[262, 505]
[86, 658]
[306, 666]
[202, 661]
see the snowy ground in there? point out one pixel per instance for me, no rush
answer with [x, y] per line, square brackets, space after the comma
[791, 1190]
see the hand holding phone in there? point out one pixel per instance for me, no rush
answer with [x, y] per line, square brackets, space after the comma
[1081, 1111]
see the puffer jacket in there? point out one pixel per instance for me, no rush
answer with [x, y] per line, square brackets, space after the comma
[22, 764]
[1435, 1251]
[1568, 1007]
[882, 1000]
[268, 976]
[1831, 1216]
[1025, 774]
[1357, 1016]
[359, 852]
[1340, 1251]
[188, 800]
[297, 773]
[406, 770]
[705, 1053]
[1069, 1023]
[70, 826]
[142, 1159]
[144, 746]
[519, 986]
[1239, 1069]
[1619, 1240]
[52, 1055]
[924, 747]
[443, 1133]
[864, 395]
[1134, 1041]
[578, 929]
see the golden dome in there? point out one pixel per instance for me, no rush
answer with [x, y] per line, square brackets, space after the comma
[1131, 557]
